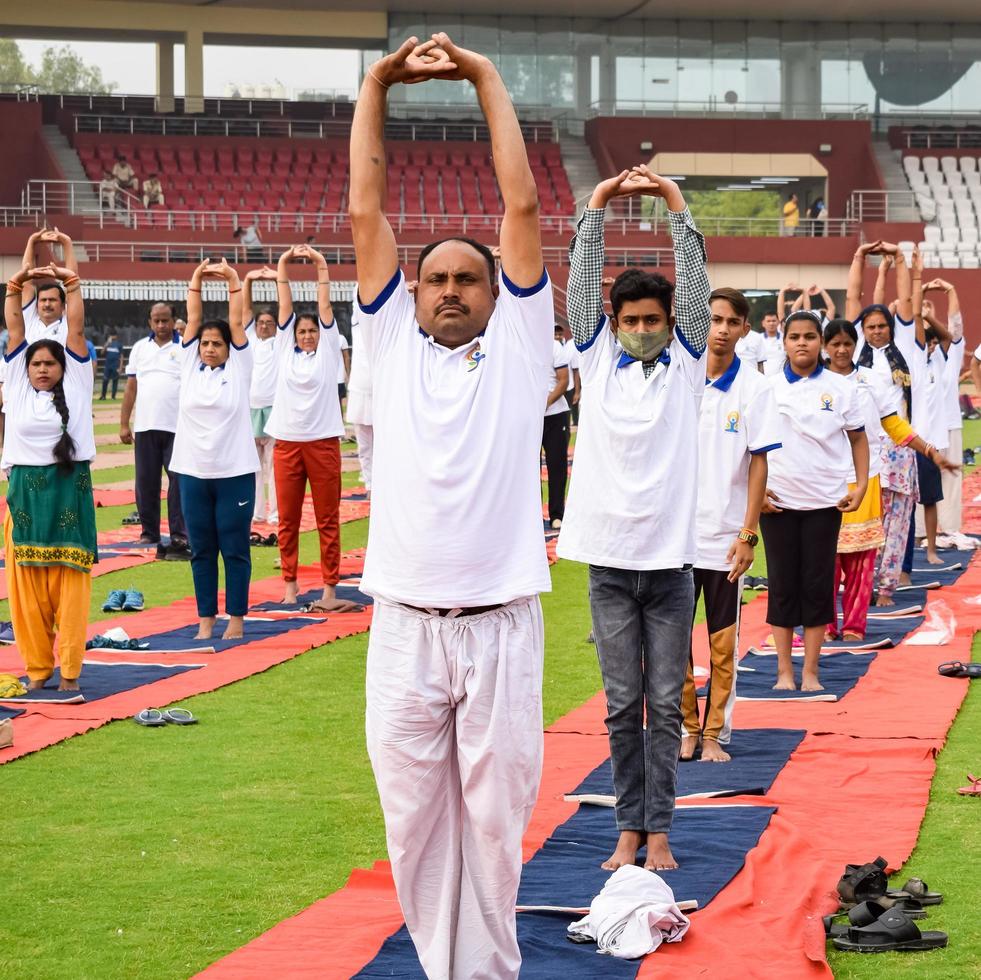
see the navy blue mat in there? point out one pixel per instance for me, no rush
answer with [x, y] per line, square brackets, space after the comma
[345, 590]
[922, 572]
[6, 712]
[758, 755]
[101, 680]
[710, 843]
[183, 638]
[757, 674]
[880, 629]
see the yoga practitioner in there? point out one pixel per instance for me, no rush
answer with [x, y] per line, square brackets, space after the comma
[750, 349]
[214, 451]
[862, 532]
[555, 434]
[359, 401]
[49, 527]
[153, 387]
[822, 427]
[772, 343]
[261, 331]
[632, 502]
[737, 428]
[44, 301]
[456, 554]
[306, 424]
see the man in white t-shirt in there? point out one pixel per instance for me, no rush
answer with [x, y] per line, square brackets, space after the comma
[738, 426]
[456, 554]
[750, 349]
[573, 389]
[343, 367]
[555, 435]
[772, 341]
[153, 384]
[43, 302]
[631, 509]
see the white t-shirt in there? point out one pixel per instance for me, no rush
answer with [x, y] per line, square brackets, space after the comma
[926, 376]
[815, 460]
[738, 419]
[878, 398]
[265, 369]
[157, 370]
[343, 345]
[306, 406]
[573, 355]
[359, 384]
[560, 359]
[750, 350]
[634, 480]
[214, 430]
[774, 353]
[952, 388]
[36, 329]
[33, 423]
[456, 505]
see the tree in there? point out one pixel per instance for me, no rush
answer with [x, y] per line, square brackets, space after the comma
[61, 70]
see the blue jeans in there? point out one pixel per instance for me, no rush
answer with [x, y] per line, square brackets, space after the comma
[218, 514]
[642, 625]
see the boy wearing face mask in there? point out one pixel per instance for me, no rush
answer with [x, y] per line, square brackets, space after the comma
[631, 508]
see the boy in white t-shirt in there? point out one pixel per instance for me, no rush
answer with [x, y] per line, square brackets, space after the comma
[631, 508]
[737, 428]
[456, 554]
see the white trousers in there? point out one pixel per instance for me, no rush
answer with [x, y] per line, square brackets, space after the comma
[454, 731]
[265, 481]
[949, 509]
[365, 436]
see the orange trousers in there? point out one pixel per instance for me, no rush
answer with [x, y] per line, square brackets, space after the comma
[319, 462]
[44, 602]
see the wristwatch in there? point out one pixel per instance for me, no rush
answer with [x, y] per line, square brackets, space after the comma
[751, 538]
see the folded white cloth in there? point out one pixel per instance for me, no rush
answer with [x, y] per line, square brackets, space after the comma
[633, 914]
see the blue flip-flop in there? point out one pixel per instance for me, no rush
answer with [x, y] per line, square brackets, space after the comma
[150, 718]
[179, 716]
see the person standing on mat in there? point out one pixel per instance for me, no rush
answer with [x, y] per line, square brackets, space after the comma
[49, 526]
[822, 436]
[261, 331]
[214, 451]
[306, 424]
[153, 386]
[456, 554]
[631, 508]
[555, 434]
[359, 401]
[43, 303]
[737, 428]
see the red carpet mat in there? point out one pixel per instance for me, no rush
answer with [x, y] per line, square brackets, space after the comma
[45, 724]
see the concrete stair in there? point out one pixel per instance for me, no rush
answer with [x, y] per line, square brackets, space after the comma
[577, 158]
[891, 167]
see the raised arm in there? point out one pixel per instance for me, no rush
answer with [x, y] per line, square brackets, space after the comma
[916, 299]
[853, 295]
[29, 261]
[374, 241]
[13, 313]
[904, 283]
[879, 292]
[324, 308]
[265, 273]
[74, 310]
[829, 304]
[521, 241]
[782, 302]
[284, 291]
[235, 309]
[194, 306]
[803, 302]
[55, 237]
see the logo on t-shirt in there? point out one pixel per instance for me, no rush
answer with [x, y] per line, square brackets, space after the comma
[475, 357]
[732, 422]
[826, 403]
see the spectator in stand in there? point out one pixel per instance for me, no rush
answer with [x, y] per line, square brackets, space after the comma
[772, 343]
[153, 191]
[107, 190]
[112, 356]
[791, 216]
[248, 238]
[124, 175]
[817, 214]
[153, 380]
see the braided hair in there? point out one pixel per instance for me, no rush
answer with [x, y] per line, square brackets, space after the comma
[64, 448]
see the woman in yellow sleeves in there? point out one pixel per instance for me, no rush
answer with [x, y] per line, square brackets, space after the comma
[49, 527]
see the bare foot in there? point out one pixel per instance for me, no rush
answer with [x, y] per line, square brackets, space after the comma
[234, 629]
[289, 593]
[626, 853]
[852, 637]
[713, 752]
[884, 600]
[904, 579]
[810, 682]
[934, 559]
[830, 637]
[206, 626]
[785, 682]
[67, 685]
[329, 602]
[37, 685]
[689, 745]
[659, 856]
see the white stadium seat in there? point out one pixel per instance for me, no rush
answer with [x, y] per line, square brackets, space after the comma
[931, 164]
[931, 234]
[949, 260]
[948, 164]
[970, 261]
[969, 165]
[911, 164]
[931, 260]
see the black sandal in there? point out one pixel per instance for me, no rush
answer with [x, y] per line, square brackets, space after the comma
[863, 882]
[916, 888]
[893, 931]
[869, 912]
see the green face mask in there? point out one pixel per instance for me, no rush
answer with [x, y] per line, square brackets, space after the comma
[644, 346]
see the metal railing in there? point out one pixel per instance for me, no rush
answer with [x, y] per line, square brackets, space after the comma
[192, 253]
[285, 128]
[339, 103]
[719, 107]
[942, 139]
[20, 217]
[879, 205]
[73, 197]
